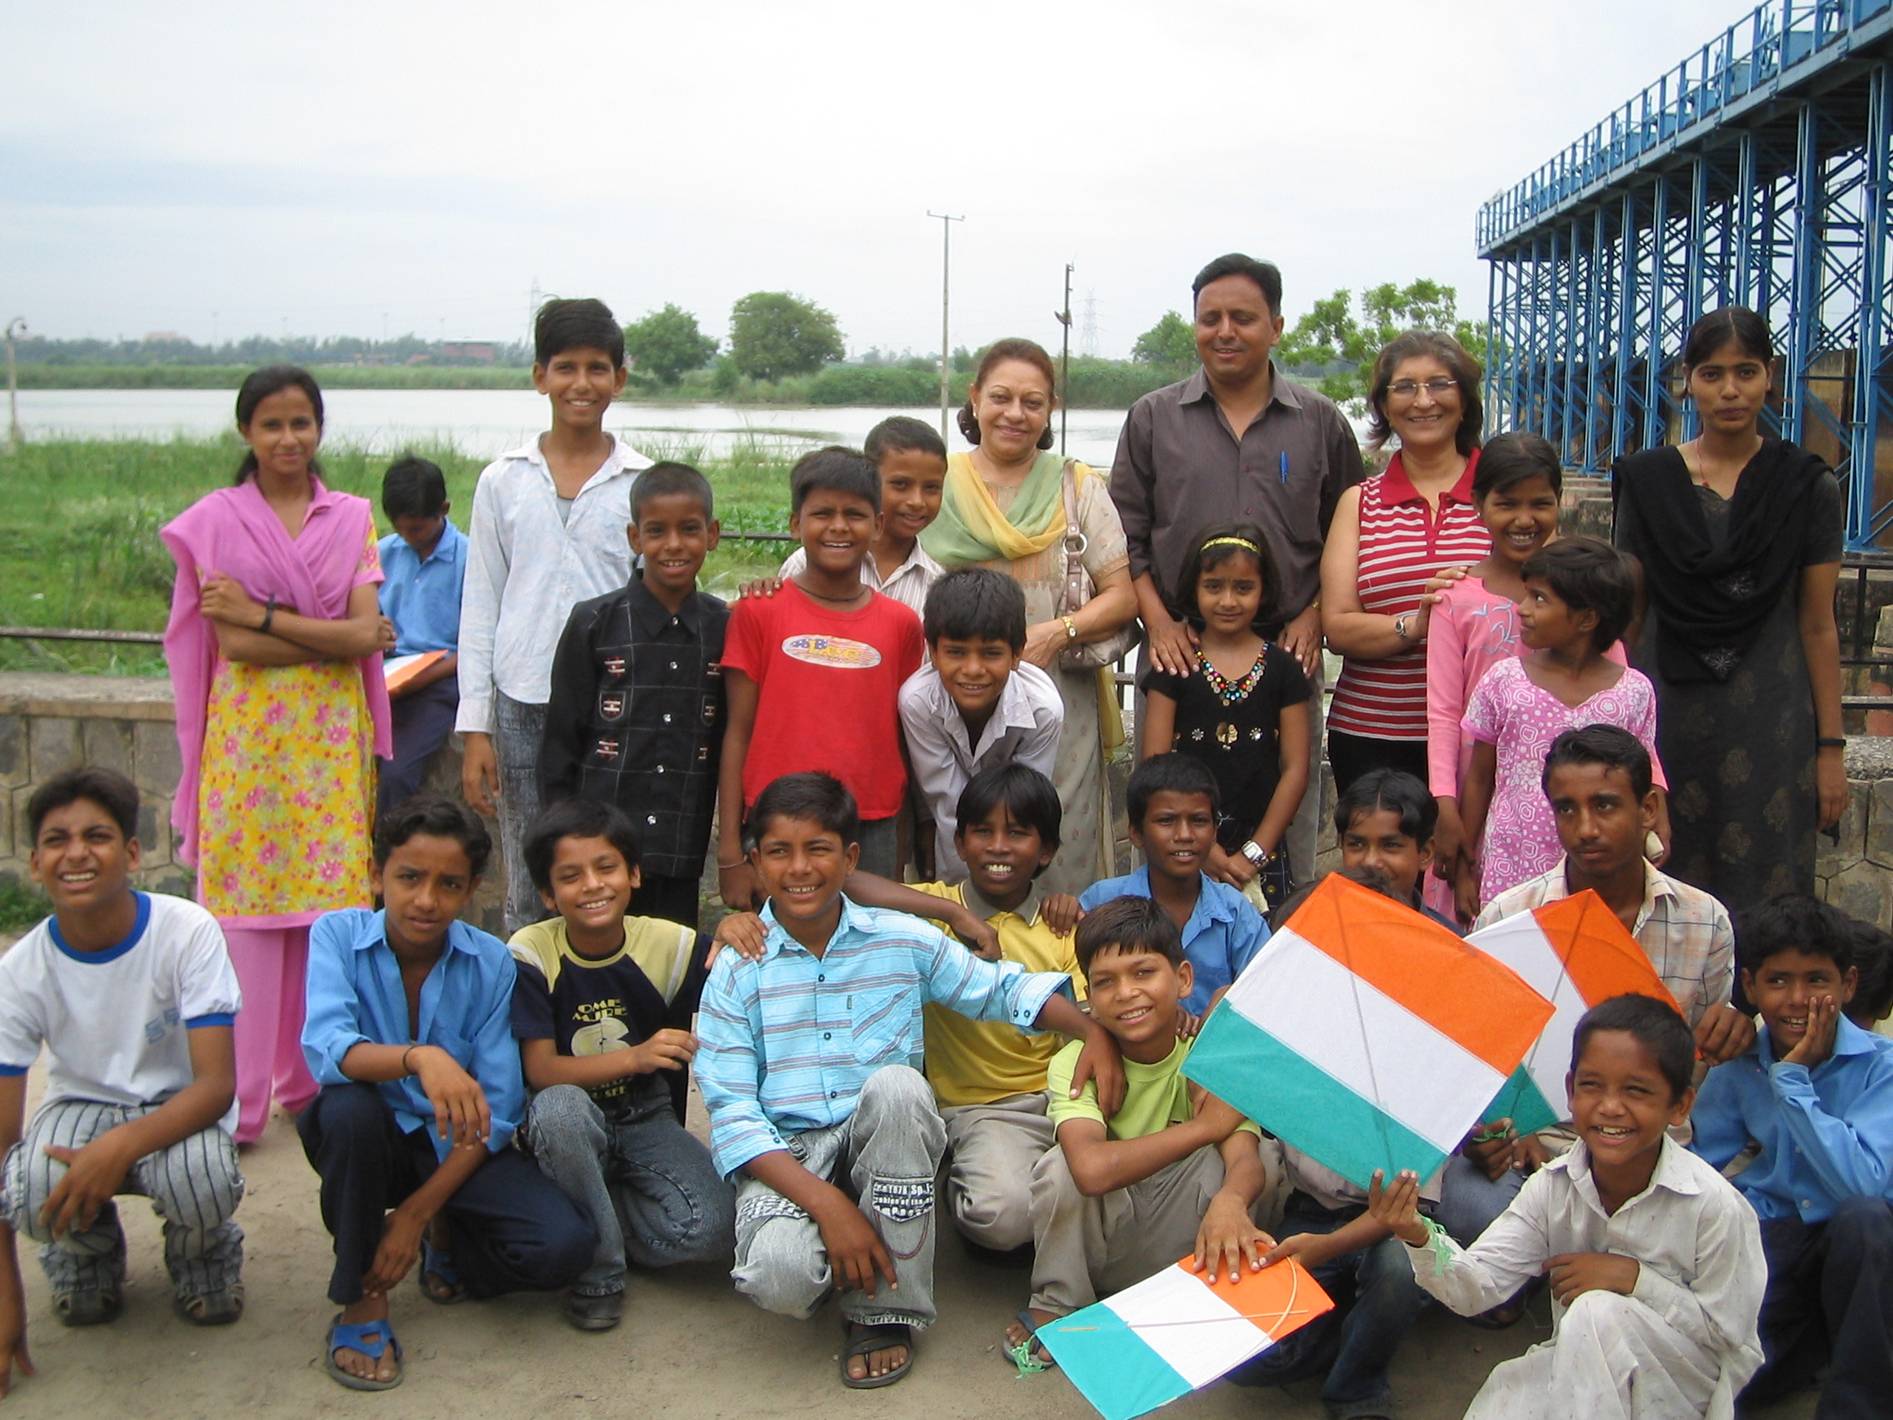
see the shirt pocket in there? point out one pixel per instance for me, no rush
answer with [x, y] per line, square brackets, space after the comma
[455, 1045]
[883, 1027]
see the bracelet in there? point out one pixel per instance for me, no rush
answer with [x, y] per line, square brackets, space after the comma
[723, 867]
[404, 1059]
[1830, 742]
[1071, 628]
[269, 615]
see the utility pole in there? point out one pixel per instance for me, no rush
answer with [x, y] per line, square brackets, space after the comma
[946, 255]
[1064, 361]
[15, 329]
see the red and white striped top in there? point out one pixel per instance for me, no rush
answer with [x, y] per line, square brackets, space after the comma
[1402, 545]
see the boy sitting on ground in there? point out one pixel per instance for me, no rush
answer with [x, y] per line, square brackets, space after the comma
[1654, 1260]
[808, 1065]
[602, 1013]
[134, 996]
[1173, 1169]
[408, 1034]
[1817, 1092]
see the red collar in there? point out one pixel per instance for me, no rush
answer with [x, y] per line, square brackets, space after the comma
[1396, 487]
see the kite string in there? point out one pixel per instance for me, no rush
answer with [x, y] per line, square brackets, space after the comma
[1367, 1046]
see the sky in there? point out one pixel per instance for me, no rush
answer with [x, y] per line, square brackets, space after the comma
[220, 170]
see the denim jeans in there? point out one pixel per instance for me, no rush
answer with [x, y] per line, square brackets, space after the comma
[1829, 1299]
[648, 1187]
[518, 730]
[1376, 1300]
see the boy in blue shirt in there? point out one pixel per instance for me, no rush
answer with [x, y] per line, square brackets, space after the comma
[409, 1033]
[1816, 1092]
[424, 568]
[1174, 808]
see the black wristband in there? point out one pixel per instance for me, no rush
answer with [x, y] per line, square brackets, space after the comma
[1830, 742]
[269, 615]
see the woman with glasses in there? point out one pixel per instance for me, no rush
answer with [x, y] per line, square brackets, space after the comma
[1389, 536]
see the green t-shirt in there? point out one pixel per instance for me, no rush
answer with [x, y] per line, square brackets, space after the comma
[1155, 1096]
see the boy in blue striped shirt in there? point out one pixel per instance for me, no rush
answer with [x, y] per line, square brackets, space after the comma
[808, 1060]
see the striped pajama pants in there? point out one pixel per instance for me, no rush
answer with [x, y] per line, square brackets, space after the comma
[193, 1185]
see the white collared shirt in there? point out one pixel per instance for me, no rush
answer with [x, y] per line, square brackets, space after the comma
[1024, 727]
[908, 584]
[1695, 1239]
[527, 568]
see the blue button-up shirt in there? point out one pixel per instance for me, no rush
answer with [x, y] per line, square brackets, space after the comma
[1222, 936]
[786, 1042]
[421, 595]
[1826, 1134]
[356, 997]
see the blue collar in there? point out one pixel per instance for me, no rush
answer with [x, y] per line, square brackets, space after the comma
[854, 918]
[1849, 1039]
[1211, 905]
[117, 949]
[374, 933]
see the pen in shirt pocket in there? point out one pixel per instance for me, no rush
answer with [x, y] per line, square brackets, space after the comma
[1284, 467]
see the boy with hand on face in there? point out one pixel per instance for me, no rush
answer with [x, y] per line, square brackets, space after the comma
[1817, 1092]
[1172, 1170]
[635, 713]
[809, 1067]
[409, 1035]
[1654, 1261]
[424, 567]
[134, 996]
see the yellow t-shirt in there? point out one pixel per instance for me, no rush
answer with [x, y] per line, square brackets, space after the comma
[1155, 1096]
[977, 1062]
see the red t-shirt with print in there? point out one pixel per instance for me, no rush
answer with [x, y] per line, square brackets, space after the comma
[828, 683]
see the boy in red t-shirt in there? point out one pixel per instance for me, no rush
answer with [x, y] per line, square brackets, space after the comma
[812, 675]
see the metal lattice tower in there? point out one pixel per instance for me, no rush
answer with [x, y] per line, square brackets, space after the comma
[1757, 172]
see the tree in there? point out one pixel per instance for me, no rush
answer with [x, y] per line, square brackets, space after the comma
[773, 334]
[666, 345]
[1331, 339]
[1171, 342]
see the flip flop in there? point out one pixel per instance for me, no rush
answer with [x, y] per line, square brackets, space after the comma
[438, 1263]
[877, 1338]
[210, 1308]
[372, 1339]
[1030, 1354]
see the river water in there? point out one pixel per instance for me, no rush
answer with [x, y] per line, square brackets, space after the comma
[486, 422]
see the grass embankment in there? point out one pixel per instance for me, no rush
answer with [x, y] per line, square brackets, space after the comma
[79, 524]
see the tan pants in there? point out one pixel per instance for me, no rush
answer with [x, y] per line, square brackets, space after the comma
[1092, 1247]
[994, 1148]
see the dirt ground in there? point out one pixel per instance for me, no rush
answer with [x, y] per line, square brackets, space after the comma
[688, 1347]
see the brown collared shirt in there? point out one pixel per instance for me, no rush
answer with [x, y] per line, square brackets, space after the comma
[1180, 469]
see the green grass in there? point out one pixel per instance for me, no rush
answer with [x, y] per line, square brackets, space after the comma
[21, 905]
[79, 527]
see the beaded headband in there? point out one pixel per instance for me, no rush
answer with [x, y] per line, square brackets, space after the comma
[1232, 542]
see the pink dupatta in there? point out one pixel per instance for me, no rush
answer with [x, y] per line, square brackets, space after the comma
[234, 531]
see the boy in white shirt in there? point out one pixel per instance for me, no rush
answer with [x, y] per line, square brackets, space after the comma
[134, 996]
[548, 532]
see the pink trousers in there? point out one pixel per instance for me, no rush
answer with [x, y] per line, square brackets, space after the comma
[272, 968]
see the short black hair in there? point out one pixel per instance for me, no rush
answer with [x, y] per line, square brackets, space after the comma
[576, 818]
[1367, 877]
[1609, 745]
[834, 469]
[1230, 540]
[661, 480]
[107, 788]
[1394, 790]
[1512, 458]
[413, 487]
[1128, 924]
[1588, 574]
[1266, 274]
[1030, 799]
[1792, 922]
[581, 324]
[814, 797]
[1175, 773]
[1873, 958]
[1657, 1027]
[435, 817]
[975, 604]
[903, 434]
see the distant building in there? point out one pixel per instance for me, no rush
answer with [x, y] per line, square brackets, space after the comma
[470, 352]
[164, 337]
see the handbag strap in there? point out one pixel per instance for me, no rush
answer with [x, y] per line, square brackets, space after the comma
[1077, 590]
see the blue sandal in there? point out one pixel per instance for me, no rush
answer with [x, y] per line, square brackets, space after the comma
[372, 1339]
[438, 1264]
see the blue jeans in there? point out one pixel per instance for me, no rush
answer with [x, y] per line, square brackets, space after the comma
[518, 729]
[1469, 1201]
[422, 722]
[1829, 1299]
[1375, 1301]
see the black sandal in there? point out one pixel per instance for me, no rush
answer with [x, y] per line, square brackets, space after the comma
[863, 1339]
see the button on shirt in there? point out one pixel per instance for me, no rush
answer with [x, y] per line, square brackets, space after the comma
[356, 997]
[421, 595]
[527, 567]
[1024, 727]
[1179, 466]
[788, 1041]
[1826, 1134]
[1222, 936]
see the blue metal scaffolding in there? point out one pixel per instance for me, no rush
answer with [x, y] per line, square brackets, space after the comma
[1757, 172]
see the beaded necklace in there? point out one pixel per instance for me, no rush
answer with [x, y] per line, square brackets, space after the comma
[1232, 692]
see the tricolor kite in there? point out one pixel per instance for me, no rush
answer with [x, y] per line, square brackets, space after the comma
[1366, 1035]
[1175, 1333]
[1576, 953]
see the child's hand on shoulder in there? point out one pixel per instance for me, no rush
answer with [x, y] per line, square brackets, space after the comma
[760, 587]
[664, 1050]
[1060, 911]
[1234, 870]
[1396, 1206]
[1724, 1033]
[1101, 1065]
[978, 935]
[1187, 1024]
[461, 1114]
[1573, 1274]
[741, 931]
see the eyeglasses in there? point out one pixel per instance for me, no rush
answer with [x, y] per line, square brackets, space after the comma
[1438, 387]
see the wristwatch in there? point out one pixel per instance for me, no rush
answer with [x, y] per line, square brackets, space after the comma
[1400, 625]
[1253, 852]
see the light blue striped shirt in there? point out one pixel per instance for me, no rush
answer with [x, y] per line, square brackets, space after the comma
[786, 1042]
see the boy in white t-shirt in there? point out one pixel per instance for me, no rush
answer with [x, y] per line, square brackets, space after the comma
[134, 997]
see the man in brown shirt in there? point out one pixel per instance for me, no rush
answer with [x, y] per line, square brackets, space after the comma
[1237, 439]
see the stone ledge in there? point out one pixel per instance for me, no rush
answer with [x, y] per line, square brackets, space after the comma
[85, 697]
